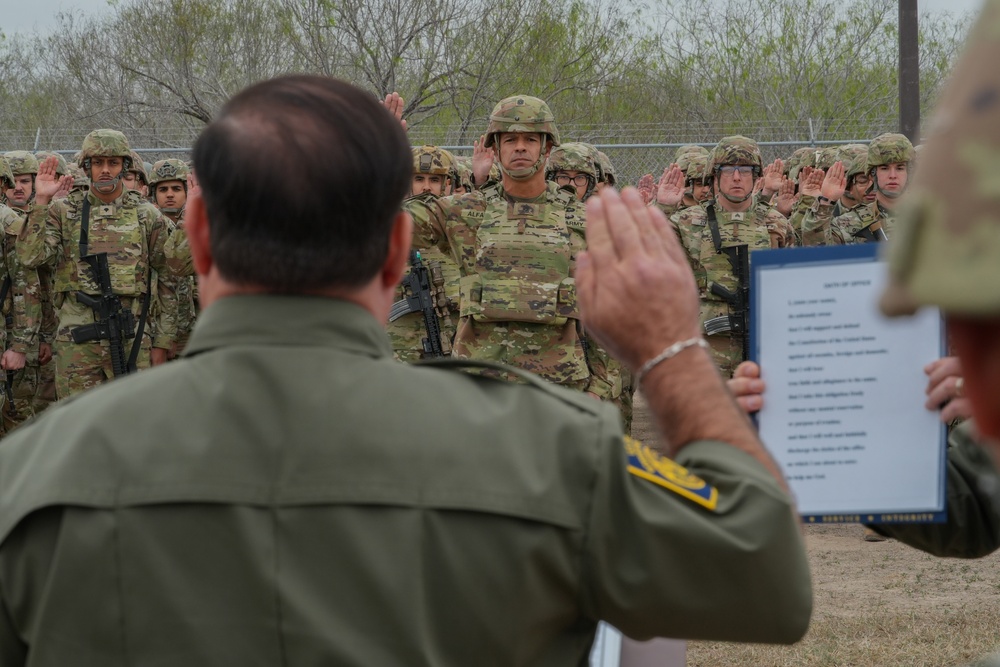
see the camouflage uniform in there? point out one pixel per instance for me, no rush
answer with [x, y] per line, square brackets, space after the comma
[517, 259]
[33, 387]
[758, 227]
[867, 222]
[693, 161]
[132, 232]
[186, 286]
[407, 333]
[574, 156]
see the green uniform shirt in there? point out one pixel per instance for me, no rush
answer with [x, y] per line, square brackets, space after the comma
[306, 500]
[973, 497]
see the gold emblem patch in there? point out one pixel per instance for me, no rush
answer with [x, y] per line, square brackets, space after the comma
[652, 466]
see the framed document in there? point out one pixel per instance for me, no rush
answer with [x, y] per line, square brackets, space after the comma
[844, 413]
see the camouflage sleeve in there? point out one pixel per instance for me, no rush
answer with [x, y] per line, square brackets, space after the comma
[41, 238]
[667, 210]
[165, 284]
[22, 304]
[50, 323]
[817, 226]
[429, 223]
[690, 237]
[605, 373]
[782, 233]
[178, 253]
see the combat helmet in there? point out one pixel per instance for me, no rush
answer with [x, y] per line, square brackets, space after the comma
[170, 169]
[523, 113]
[888, 148]
[463, 172]
[435, 161]
[694, 163]
[736, 150]
[21, 162]
[62, 167]
[6, 178]
[797, 160]
[139, 168]
[574, 156]
[105, 143]
[855, 160]
[607, 169]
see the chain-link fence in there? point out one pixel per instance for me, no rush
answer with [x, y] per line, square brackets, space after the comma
[634, 149]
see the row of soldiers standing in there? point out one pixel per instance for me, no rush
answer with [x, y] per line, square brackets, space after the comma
[86, 289]
[503, 241]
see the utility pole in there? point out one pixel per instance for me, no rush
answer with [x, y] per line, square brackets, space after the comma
[909, 71]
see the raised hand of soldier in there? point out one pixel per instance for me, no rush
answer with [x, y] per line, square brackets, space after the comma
[772, 177]
[646, 188]
[787, 197]
[834, 183]
[48, 183]
[393, 102]
[482, 160]
[670, 192]
[631, 246]
[811, 181]
[194, 189]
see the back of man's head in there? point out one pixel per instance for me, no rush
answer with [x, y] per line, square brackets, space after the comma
[301, 178]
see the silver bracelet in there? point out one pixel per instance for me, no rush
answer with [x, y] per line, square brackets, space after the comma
[671, 351]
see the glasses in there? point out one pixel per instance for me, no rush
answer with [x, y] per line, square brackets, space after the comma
[580, 180]
[742, 169]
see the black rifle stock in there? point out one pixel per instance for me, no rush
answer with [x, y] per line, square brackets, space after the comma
[418, 284]
[112, 322]
[738, 320]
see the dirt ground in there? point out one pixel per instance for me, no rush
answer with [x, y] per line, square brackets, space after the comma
[876, 603]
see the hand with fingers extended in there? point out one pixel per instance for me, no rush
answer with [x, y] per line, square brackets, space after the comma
[787, 197]
[646, 187]
[394, 104]
[772, 177]
[670, 191]
[811, 181]
[834, 183]
[946, 390]
[482, 160]
[629, 247]
[48, 183]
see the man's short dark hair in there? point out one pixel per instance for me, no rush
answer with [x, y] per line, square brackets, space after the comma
[301, 177]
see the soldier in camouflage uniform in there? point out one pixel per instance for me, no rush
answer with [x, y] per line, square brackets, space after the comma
[734, 217]
[574, 165]
[889, 157]
[122, 224]
[692, 160]
[516, 244]
[29, 298]
[433, 177]
[463, 175]
[168, 182]
[136, 178]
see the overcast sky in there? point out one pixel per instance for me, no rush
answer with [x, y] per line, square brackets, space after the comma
[39, 14]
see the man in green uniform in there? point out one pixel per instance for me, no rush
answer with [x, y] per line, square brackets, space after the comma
[711, 233]
[434, 176]
[168, 183]
[889, 158]
[516, 243]
[320, 503]
[27, 299]
[71, 235]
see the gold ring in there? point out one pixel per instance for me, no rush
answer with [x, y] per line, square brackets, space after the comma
[959, 386]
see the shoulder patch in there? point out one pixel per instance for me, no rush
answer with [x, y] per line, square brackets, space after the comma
[653, 467]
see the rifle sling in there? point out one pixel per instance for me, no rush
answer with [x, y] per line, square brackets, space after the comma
[713, 226]
[133, 354]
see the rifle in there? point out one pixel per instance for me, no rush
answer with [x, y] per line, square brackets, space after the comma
[873, 233]
[112, 322]
[737, 322]
[421, 287]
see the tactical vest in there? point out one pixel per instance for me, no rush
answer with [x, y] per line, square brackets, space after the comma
[523, 261]
[868, 223]
[749, 227]
[113, 228]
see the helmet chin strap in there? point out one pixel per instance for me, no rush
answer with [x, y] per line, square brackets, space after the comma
[171, 211]
[527, 172]
[97, 185]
